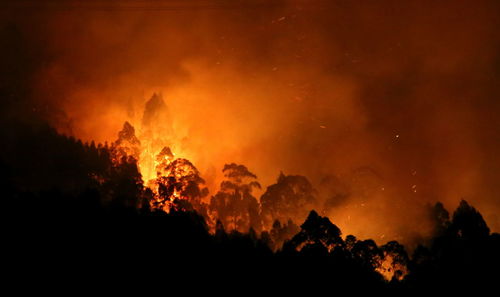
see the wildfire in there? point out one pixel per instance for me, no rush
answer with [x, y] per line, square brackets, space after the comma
[172, 180]
[389, 267]
[175, 183]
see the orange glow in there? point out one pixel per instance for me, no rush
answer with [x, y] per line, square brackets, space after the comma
[389, 268]
[404, 91]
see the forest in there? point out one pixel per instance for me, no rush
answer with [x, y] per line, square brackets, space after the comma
[68, 200]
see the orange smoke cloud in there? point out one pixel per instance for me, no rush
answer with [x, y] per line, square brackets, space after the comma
[312, 88]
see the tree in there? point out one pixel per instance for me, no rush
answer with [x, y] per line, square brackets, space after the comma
[468, 223]
[282, 232]
[367, 253]
[440, 219]
[291, 198]
[316, 234]
[394, 265]
[234, 205]
[179, 184]
[124, 184]
[127, 143]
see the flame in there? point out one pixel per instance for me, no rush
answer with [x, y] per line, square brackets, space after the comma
[170, 177]
[389, 267]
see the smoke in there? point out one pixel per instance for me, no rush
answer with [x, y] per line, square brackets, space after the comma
[395, 102]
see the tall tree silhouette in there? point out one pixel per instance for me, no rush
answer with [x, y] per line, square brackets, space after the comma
[468, 223]
[281, 233]
[234, 205]
[440, 219]
[317, 236]
[291, 197]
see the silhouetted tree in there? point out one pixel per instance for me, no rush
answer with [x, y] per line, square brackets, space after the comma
[280, 233]
[350, 241]
[440, 219]
[291, 198]
[65, 200]
[460, 254]
[467, 223]
[234, 205]
[124, 186]
[367, 253]
[317, 234]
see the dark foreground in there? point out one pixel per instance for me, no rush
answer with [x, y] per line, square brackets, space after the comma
[57, 218]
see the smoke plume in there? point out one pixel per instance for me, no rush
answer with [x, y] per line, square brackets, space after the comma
[385, 107]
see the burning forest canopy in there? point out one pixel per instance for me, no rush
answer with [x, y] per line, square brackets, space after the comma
[247, 115]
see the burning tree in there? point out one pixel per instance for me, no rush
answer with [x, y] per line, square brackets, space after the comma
[395, 261]
[127, 144]
[157, 115]
[156, 134]
[178, 184]
[234, 206]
